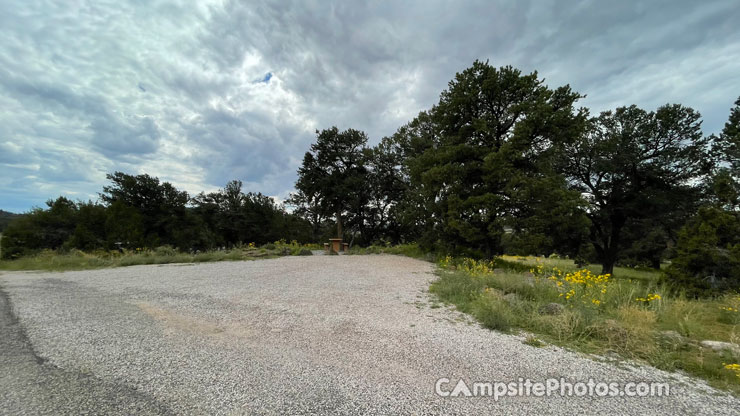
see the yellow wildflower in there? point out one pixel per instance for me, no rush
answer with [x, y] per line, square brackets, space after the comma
[733, 367]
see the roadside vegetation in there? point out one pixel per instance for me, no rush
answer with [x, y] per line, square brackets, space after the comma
[630, 315]
[52, 260]
[408, 250]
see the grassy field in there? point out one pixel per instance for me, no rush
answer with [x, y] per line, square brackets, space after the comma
[50, 260]
[644, 275]
[627, 315]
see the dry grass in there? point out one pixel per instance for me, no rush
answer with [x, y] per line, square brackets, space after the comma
[600, 315]
[78, 260]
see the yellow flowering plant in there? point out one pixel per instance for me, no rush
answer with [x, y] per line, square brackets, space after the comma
[581, 286]
[735, 368]
[650, 297]
[476, 268]
[730, 311]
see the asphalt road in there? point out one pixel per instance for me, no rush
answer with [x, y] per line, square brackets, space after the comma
[295, 335]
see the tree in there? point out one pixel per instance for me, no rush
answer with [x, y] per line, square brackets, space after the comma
[232, 217]
[333, 172]
[477, 155]
[124, 224]
[40, 228]
[162, 206]
[725, 185]
[89, 233]
[386, 187]
[728, 143]
[550, 219]
[707, 254]
[5, 219]
[633, 165]
[307, 206]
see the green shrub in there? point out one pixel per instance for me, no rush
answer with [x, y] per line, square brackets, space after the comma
[493, 313]
[165, 250]
[707, 254]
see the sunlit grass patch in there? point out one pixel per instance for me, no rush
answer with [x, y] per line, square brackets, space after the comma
[569, 265]
[49, 260]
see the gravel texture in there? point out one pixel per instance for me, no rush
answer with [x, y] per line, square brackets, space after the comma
[294, 335]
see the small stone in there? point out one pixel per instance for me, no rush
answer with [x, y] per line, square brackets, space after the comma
[551, 309]
[720, 346]
[672, 337]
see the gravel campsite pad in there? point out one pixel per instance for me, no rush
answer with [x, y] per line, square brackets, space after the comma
[294, 335]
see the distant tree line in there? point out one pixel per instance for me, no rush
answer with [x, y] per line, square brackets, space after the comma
[501, 164]
[5, 218]
[140, 211]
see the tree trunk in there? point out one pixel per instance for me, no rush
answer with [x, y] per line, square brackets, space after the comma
[339, 223]
[316, 224]
[607, 264]
[611, 246]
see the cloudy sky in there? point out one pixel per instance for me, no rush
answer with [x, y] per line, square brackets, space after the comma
[199, 93]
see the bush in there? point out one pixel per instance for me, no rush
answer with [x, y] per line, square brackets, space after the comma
[707, 254]
[493, 313]
[165, 251]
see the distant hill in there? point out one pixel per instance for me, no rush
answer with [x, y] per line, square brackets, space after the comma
[5, 218]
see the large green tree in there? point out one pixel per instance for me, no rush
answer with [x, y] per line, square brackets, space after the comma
[480, 161]
[635, 166]
[728, 144]
[725, 185]
[333, 174]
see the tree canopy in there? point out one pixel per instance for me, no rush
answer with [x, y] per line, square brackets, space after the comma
[480, 160]
[635, 167]
[333, 173]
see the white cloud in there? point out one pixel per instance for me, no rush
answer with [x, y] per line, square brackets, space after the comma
[168, 88]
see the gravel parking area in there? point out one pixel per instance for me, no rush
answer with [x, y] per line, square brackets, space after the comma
[294, 335]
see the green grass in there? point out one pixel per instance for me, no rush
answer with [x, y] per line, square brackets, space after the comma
[508, 299]
[408, 250]
[646, 275]
[49, 260]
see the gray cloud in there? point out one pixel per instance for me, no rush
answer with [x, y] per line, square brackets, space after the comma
[178, 89]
